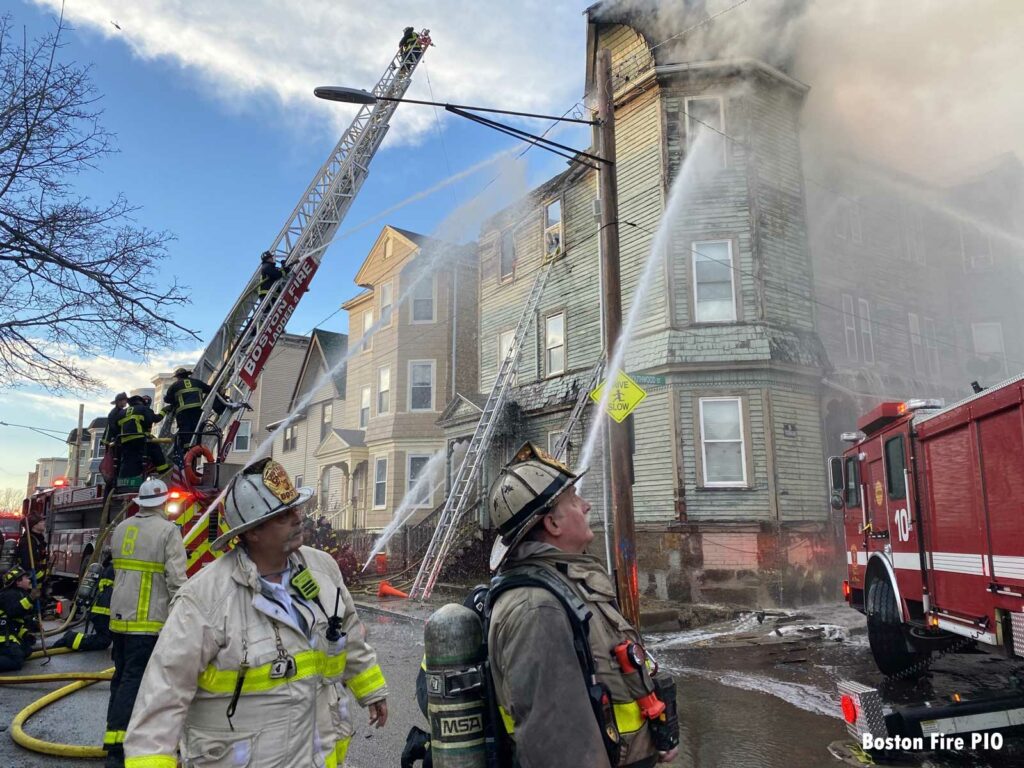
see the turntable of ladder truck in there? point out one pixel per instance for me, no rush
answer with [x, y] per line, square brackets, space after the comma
[932, 500]
[76, 517]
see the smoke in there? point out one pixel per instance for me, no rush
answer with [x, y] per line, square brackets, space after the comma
[926, 88]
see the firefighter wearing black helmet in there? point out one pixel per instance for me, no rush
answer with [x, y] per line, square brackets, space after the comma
[133, 431]
[17, 622]
[270, 273]
[617, 717]
[184, 398]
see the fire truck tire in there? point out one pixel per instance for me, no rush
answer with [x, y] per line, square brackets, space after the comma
[886, 635]
[191, 473]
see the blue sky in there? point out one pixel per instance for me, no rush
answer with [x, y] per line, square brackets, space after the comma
[216, 152]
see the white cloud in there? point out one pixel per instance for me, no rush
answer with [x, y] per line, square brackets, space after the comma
[524, 55]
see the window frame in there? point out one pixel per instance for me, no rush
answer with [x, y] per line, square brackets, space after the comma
[390, 306]
[433, 385]
[247, 425]
[740, 414]
[381, 390]
[547, 228]
[850, 326]
[691, 132]
[432, 281]
[548, 373]
[367, 339]
[326, 419]
[510, 276]
[378, 482]
[864, 313]
[695, 297]
[416, 504]
[289, 438]
[365, 393]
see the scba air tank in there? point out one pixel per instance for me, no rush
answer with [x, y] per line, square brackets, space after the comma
[453, 641]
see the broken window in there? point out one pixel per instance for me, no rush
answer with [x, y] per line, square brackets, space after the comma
[553, 230]
[506, 255]
[722, 446]
[704, 118]
[713, 299]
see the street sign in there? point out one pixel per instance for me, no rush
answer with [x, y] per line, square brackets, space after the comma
[625, 396]
[647, 380]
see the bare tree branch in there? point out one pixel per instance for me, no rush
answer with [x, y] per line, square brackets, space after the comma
[76, 279]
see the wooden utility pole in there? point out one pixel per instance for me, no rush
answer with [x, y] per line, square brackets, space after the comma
[618, 438]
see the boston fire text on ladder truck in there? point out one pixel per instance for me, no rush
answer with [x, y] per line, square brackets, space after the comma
[933, 506]
[236, 354]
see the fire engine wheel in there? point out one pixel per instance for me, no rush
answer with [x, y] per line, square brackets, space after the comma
[191, 473]
[886, 636]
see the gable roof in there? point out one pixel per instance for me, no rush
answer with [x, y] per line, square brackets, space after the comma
[325, 348]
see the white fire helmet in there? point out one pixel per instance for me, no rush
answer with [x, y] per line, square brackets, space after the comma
[259, 492]
[152, 493]
[525, 490]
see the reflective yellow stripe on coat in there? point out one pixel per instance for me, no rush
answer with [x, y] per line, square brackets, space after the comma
[627, 718]
[140, 624]
[366, 682]
[151, 761]
[337, 757]
[307, 664]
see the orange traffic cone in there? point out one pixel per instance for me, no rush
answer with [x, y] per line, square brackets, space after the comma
[386, 590]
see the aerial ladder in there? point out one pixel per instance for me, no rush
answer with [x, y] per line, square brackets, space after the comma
[236, 354]
[464, 483]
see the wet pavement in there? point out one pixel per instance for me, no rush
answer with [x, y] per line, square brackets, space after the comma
[752, 694]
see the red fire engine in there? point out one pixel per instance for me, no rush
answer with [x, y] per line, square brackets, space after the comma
[933, 503]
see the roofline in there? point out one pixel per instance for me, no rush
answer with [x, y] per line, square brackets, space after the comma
[745, 63]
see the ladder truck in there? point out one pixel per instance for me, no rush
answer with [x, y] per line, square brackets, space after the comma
[237, 352]
[932, 500]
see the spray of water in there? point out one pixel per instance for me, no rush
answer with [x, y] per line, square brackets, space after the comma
[431, 478]
[698, 161]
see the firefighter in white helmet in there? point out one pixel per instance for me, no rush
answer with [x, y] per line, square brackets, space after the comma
[253, 664]
[546, 707]
[149, 568]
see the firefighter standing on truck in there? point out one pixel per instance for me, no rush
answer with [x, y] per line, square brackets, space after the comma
[120, 402]
[184, 398]
[17, 619]
[256, 656]
[149, 566]
[544, 703]
[134, 436]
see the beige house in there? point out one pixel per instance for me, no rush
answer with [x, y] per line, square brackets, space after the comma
[418, 300]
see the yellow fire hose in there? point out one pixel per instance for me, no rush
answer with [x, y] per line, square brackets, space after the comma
[84, 679]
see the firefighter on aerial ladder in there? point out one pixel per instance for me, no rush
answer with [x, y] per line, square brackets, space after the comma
[270, 273]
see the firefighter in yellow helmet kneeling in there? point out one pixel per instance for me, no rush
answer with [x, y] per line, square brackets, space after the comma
[256, 661]
[620, 711]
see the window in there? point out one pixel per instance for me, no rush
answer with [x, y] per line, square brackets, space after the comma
[713, 298]
[421, 385]
[291, 438]
[389, 248]
[913, 234]
[325, 488]
[847, 221]
[894, 464]
[386, 302]
[380, 482]
[383, 391]
[916, 348]
[98, 448]
[367, 326]
[867, 344]
[852, 482]
[931, 346]
[704, 118]
[416, 466]
[298, 480]
[975, 246]
[505, 339]
[364, 407]
[721, 437]
[326, 419]
[554, 344]
[850, 327]
[423, 300]
[988, 345]
[242, 436]
[553, 230]
[507, 255]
